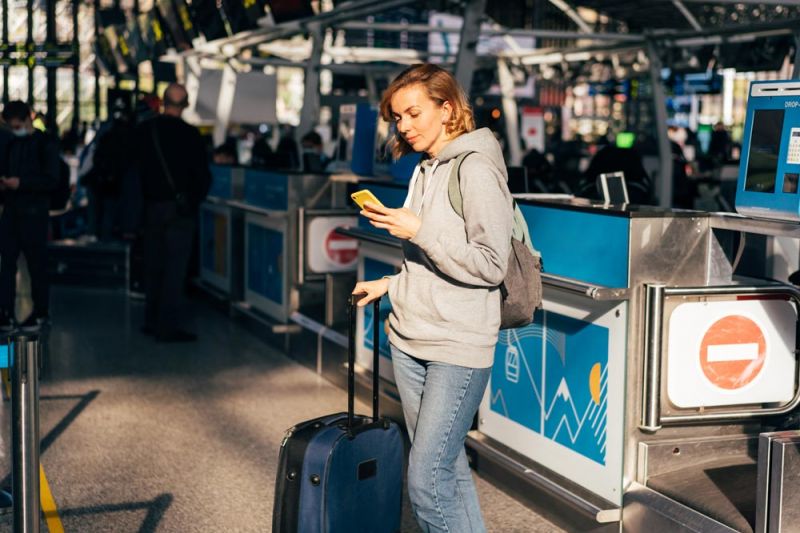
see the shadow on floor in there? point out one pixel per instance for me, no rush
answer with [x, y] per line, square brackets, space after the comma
[156, 509]
[58, 430]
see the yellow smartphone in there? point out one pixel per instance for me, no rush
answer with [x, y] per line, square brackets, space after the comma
[363, 196]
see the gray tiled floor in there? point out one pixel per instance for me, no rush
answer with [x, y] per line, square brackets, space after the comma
[139, 436]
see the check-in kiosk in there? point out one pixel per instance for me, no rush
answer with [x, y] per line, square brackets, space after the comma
[638, 394]
[265, 234]
[770, 162]
[271, 200]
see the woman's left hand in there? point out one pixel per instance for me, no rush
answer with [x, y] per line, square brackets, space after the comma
[402, 223]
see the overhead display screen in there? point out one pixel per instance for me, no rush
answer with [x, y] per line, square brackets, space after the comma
[765, 144]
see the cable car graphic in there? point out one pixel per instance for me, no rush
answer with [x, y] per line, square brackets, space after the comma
[512, 364]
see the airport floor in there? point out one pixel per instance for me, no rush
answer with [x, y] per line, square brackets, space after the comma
[143, 437]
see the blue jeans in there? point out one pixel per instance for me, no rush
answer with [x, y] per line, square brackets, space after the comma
[439, 403]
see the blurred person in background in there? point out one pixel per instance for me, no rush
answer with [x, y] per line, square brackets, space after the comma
[719, 148]
[226, 154]
[173, 168]
[314, 158]
[29, 175]
[112, 160]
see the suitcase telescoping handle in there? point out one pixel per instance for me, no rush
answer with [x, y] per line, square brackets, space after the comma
[351, 357]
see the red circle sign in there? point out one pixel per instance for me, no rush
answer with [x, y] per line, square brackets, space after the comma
[340, 249]
[733, 352]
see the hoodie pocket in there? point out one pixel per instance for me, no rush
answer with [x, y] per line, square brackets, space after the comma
[467, 309]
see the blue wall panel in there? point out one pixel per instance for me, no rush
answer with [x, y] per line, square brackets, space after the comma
[265, 262]
[269, 190]
[588, 247]
[221, 182]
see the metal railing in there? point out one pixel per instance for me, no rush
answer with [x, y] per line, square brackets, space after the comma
[595, 292]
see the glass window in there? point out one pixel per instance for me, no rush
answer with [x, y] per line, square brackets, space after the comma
[18, 83]
[64, 98]
[39, 24]
[40, 90]
[17, 21]
[64, 21]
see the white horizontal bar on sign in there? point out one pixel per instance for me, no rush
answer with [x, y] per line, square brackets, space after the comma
[343, 245]
[718, 353]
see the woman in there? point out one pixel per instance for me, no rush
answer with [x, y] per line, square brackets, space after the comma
[446, 302]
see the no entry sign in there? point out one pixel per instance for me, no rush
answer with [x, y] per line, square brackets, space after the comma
[733, 352]
[328, 251]
[341, 250]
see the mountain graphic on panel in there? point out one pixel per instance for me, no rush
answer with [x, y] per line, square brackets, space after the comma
[551, 377]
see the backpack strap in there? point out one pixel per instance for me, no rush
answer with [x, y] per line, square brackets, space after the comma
[454, 185]
[519, 229]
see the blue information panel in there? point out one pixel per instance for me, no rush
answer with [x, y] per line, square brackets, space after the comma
[264, 262]
[590, 247]
[374, 269]
[364, 139]
[269, 190]
[221, 181]
[552, 378]
[4, 357]
[402, 169]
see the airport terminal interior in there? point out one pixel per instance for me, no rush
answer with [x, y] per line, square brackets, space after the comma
[182, 229]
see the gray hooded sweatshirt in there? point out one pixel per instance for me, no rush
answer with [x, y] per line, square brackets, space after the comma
[445, 300]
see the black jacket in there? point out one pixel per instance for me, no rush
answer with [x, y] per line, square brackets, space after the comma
[184, 155]
[34, 159]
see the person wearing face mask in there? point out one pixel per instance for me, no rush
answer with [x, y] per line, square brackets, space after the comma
[29, 175]
[446, 299]
[314, 158]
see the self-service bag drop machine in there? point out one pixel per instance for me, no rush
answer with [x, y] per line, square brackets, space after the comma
[770, 162]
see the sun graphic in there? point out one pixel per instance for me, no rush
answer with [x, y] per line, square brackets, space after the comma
[594, 382]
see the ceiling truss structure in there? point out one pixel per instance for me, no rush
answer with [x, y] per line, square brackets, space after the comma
[641, 34]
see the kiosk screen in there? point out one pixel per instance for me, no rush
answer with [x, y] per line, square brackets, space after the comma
[614, 190]
[765, 144]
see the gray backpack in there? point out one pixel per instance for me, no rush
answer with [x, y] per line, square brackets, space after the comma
[521, 289]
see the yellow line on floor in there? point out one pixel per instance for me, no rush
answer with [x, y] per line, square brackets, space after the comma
[49, 505]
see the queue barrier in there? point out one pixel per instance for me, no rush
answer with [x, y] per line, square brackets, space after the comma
[23, 358]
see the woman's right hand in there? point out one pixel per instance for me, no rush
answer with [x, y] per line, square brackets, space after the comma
[371, 289]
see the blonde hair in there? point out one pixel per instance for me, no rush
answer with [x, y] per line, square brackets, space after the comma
[441, 87]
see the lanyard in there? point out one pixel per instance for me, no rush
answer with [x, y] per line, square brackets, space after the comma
[413, 185]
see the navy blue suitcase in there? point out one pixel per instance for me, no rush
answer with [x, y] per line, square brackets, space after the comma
[342, 472]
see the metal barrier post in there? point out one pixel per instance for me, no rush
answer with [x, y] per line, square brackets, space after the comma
[651, 397]
[25, 358]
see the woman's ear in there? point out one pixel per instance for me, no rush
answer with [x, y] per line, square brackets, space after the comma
[447, 112]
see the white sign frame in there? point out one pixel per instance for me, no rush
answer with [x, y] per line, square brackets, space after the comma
[687, 385]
